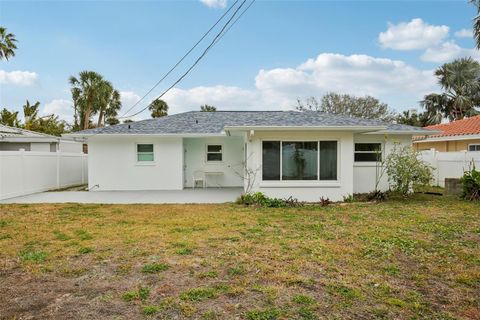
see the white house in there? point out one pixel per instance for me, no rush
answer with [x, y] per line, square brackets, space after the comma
[281, 153]
[15, 139]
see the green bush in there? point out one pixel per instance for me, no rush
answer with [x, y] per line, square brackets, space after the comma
[406, 171]
[260, 199]
[471, 184]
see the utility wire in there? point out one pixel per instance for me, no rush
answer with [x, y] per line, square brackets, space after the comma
[212, 43]
[181, 60]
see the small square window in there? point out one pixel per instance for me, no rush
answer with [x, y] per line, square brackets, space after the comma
[368, 152]
[474, 147]
[214, 153]
[145, 152]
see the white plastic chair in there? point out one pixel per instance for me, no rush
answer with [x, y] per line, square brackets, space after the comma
[198, 176]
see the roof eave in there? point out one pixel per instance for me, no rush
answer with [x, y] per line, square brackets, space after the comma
[448, 138]
[165, 135]
[406, 132]
[306, 128]
[28, 139]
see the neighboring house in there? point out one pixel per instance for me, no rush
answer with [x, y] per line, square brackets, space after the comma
[286, 153]
[15, 139]
[460, 135]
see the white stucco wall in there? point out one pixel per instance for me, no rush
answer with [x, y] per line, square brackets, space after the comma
[40, 146]
[113, 164]
[365, 173]
[70, 146]
[231, 166]
[304, 190]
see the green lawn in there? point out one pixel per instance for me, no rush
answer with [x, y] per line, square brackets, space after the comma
[402, 259]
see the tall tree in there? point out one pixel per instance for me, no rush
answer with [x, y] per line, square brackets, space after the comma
[476, 23]
[7, 44]
[460, 81]
[9, 118]
[109, 103]
[86, 92]
[362, 107]
[30, 112]
[207, 108]
[159, 108]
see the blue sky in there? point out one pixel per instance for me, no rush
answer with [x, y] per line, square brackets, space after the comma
[279, 51]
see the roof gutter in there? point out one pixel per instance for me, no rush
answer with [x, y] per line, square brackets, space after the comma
[306, 128]
[160, 135]
[407, 132]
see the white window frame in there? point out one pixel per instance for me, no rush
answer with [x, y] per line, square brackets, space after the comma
[144, 163]
[477, 146]
[316, 182]
[206, 153]
[382, 149]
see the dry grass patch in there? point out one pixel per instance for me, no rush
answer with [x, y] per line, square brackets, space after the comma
[402, 259]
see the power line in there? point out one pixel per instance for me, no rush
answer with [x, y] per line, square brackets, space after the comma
[219, 35]
[181, 60]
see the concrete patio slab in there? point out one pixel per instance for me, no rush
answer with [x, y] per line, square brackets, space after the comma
[208, 195]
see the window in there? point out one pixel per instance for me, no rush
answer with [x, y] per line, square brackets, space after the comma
[474, 147]
[144, 152]
[299, 160]
[214, 152]
[328, 160]
[368, 152]
[271, 160]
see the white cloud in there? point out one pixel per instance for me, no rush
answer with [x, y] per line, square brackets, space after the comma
[392, 81]
[223, 97]
[448, 51]
[412, 35]
[60, 107]
[215, 3]
[464, 33]
[129, 98]
[21, 78]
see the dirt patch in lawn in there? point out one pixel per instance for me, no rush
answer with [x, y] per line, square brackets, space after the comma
[416, 258]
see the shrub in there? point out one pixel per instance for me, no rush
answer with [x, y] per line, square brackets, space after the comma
[260, 199]
[405, 170]
[471, 184]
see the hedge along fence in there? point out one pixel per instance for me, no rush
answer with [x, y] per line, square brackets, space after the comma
[26, 172]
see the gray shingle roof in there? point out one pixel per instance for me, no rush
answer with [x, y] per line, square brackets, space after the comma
[196, 122]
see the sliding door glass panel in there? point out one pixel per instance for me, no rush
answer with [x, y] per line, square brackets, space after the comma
[328, 160]
[299, 160]
[271, 160]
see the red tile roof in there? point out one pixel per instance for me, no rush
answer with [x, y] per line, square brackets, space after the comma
[457, 128]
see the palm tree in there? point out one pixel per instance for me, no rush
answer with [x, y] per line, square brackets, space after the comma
[159, 108]
[86, 92]
[460, 81]
[30, 112]
[109, 103]
[476, 23]
[9, 118]
[7, 44]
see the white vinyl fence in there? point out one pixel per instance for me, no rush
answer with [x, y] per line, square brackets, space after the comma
[26, 172]
[450, 164]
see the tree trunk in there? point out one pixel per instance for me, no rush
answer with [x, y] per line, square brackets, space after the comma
[100, 117]
[86, 120]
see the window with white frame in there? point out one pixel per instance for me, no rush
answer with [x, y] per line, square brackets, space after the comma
[214, 153]
[299, 160]
[145, 152]
[474, 147]
[368, 152]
